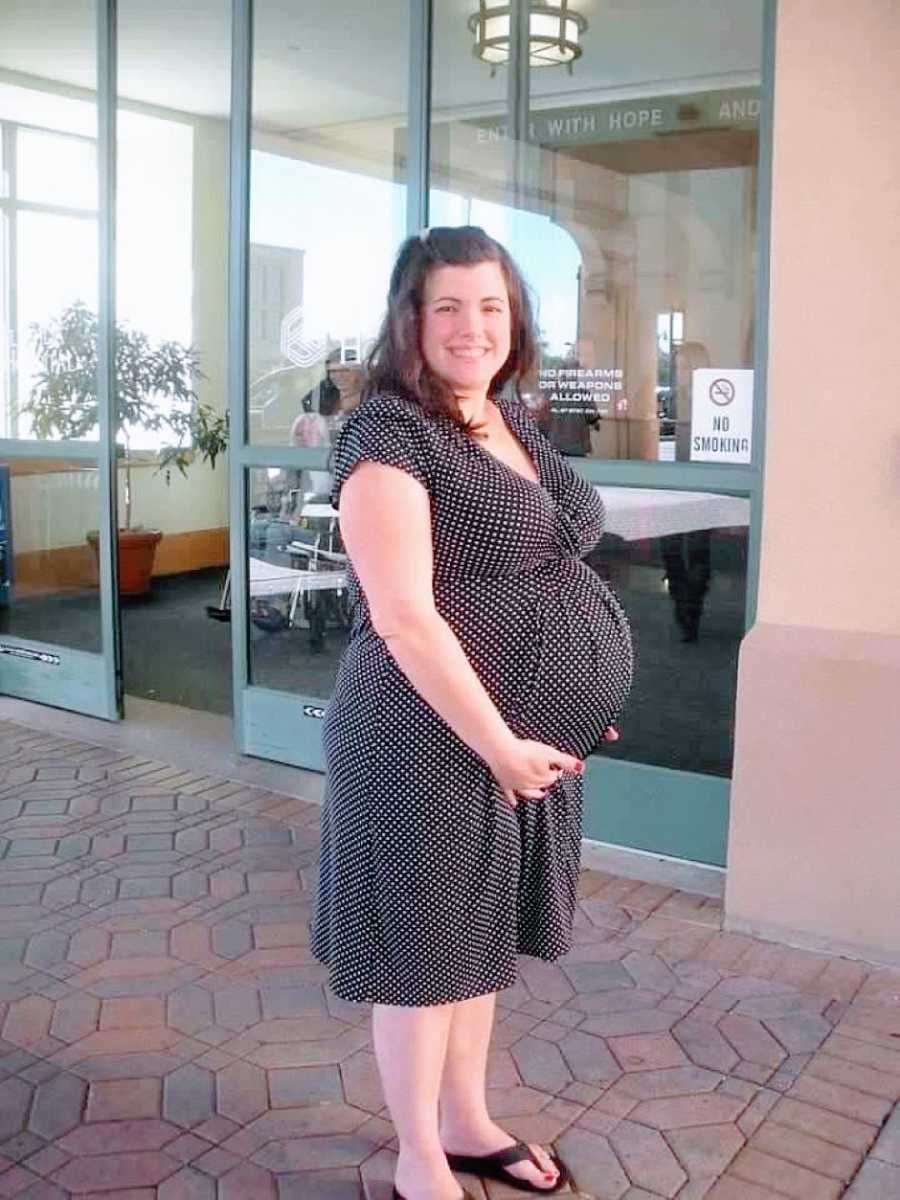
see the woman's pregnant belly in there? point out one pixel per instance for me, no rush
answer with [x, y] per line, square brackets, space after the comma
[552, 647]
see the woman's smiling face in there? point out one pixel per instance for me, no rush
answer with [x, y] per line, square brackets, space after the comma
[465, 326]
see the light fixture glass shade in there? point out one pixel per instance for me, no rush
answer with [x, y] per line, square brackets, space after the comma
[554, 32]
[541, 25]
[497, 27]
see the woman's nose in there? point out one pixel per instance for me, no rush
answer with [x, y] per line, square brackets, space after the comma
[470, 321]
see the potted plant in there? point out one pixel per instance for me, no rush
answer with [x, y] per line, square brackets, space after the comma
[154, 391]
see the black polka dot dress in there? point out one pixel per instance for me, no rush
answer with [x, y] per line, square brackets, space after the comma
[430, 884]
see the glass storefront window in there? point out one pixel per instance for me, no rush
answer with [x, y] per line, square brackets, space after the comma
[327, 209]
[626, 189]
[327, 214]
[676, 559]
[629, 199]
[683, 585]
[171, 284]
[297, 575]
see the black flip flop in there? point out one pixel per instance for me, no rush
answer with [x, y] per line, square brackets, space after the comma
[493, 1166]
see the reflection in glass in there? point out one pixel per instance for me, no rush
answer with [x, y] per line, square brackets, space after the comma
[297, 574]
[45, 292]
[48, 568]
[677, 560]
[58, 169]
[48, 204]
[327, 209]
[629, 197]
[683, 585]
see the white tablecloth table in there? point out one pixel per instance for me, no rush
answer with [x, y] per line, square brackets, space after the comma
[635, 513]
[318, 510]
[271, 579]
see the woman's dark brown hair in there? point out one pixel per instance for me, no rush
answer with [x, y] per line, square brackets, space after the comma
[395, 362]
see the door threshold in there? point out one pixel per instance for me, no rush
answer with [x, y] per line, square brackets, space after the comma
[704, 879]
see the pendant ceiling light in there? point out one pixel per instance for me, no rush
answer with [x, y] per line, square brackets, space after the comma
[554, 30]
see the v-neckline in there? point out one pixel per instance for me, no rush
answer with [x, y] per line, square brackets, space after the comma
[515, 431]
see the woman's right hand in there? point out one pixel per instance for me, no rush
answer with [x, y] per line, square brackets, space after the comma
[525, 769]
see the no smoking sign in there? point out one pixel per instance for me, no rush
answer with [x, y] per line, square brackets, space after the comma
[721, 392]
[721, 415]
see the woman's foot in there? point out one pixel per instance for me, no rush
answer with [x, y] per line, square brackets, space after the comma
[425, 1177]
[489, 1138]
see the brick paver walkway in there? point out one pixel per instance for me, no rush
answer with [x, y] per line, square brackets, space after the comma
[165, 1031]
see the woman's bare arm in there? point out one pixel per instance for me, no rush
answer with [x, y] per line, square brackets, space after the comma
[386, 527]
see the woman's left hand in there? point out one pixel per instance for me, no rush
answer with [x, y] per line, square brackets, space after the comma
[611, 735]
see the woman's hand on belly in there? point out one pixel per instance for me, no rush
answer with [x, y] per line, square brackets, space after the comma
[526, 769]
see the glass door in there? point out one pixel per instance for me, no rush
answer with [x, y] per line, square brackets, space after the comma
[620, 161]
[319, 191]
[616, 151]
[58, 611]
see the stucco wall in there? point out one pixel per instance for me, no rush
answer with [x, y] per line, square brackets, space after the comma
[831, 521]
[814, 839]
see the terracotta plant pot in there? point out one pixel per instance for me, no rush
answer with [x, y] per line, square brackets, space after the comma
[137, 549]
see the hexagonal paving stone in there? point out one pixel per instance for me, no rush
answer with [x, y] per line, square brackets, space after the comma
[15, 1096]
[751, 1040]
[589, 1058]
[678, 1112]
[241, 1092]
[315, 1153]
[247, 1180]
[189, 1095]
[305, 1085]
[103, 1172]
[126, 1099]
[57, 1106]
[596, 977]
[237, 1006]
[118, 1137]
[190, 1009]
[704, 1044]
[27, 1022]
[188, 1184]
[593, 1163]
[646, 1158]
[647, 1051]
[707, 1150]
[541, 1064]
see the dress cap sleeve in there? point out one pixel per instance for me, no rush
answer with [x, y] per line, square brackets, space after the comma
[385, 429]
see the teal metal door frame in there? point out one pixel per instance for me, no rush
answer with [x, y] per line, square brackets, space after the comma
[45, 672]
[268, 723]
[675, 813]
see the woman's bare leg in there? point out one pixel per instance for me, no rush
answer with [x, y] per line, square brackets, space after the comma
[410, 1046]
[466, 1126]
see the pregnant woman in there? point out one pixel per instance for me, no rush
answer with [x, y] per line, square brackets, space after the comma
[485, 662]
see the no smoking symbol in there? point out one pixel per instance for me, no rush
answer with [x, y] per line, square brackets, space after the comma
[721, 392]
